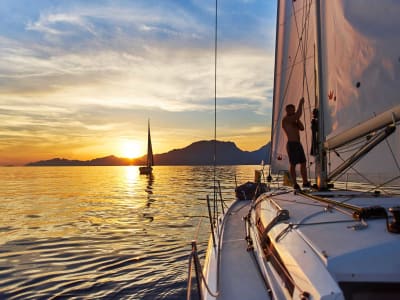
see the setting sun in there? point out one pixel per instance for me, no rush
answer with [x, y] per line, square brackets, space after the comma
[131, 149]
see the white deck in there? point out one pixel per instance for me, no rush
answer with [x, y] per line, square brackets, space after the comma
[322, 247]
[239, 276]
[331, 228]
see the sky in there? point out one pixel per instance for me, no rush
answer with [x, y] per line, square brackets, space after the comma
[79, 79]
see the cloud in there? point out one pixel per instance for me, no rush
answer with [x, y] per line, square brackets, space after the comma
[85, 71]
[48, 24]
[174, 79]
[127, 59]
[113, 21]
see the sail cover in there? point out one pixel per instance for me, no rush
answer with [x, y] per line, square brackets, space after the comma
[360, 72]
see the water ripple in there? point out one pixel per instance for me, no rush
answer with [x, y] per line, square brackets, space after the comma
[102, 232]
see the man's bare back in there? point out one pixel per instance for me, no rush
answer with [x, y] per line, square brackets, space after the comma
[292, 126]
[291, 122]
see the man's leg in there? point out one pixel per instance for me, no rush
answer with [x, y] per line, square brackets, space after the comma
[293, 174]
[303, 171]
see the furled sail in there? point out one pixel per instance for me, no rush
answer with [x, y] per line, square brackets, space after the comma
[360, 78]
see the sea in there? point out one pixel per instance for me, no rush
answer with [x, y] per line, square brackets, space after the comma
[105, 232]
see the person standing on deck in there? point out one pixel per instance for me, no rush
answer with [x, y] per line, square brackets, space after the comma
[292, 126]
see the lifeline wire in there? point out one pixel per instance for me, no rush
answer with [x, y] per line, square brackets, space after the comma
[215, 96]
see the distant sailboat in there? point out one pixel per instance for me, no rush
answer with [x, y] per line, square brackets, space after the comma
[150, 159]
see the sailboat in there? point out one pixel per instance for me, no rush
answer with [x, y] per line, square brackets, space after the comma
[148, 169]
[339, 239]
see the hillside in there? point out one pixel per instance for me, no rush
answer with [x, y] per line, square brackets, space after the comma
[198, 153]
[202, 153]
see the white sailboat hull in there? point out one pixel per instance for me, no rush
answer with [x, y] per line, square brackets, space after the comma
[334, 244]
[236, 277]
[319, 252]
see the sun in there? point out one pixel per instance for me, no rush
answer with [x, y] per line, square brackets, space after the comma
[131, 149]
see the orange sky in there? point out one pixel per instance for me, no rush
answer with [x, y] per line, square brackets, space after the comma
[80, 80]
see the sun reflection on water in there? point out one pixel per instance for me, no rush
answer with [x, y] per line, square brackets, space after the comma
[131, 174]
[103, 223]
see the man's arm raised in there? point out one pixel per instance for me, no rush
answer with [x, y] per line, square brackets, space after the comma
[299, 110]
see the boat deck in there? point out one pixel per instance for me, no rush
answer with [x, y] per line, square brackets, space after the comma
[239, 275]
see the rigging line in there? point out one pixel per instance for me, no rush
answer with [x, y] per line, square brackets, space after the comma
[303, 38]
[348, 149]
[307, 24]
[305, 82]
[294, 62]
[334, 203]
[362, 176]
[290, 77]
[303, 48]
[361, 140]
[305, 86]
[305, 55]
[325, 222]
[215, 96]
[385, 183]
[329, 206]
[351, 146]
[355, 170]
[300, 202]
[393, 156]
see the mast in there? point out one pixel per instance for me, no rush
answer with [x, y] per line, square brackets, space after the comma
[320, 158]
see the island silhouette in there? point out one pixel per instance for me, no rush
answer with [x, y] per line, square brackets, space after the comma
[197, 153]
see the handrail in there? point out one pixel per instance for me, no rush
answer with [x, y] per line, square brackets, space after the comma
[220, 197]
[193, 258]
[200, 278]
[214, 217]
[211, 221]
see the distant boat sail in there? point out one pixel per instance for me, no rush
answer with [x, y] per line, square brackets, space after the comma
[150, 159]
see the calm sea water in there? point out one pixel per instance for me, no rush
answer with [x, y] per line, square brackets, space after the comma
[104, 232]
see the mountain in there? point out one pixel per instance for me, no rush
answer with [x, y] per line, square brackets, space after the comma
[202, 153]
[198, 153]
[103, 161]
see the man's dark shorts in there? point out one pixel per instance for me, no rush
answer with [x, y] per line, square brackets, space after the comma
[296, 153]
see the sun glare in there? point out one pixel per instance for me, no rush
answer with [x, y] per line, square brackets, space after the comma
[131, 149]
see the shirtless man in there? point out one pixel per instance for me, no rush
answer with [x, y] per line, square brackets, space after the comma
[292, 126]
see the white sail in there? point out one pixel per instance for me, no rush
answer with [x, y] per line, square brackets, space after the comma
[360, 76]
[361, 71]
[294, 73]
